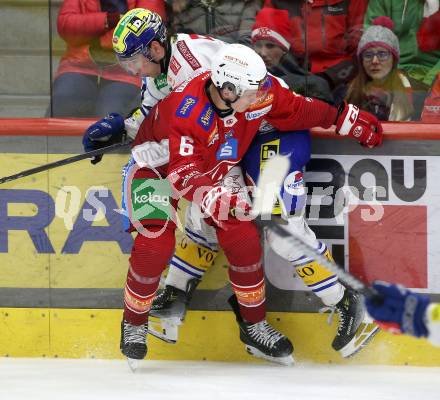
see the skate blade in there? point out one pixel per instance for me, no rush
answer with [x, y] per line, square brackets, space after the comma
[363, 336]
[133, 364]
[286, 360]
[165, 329]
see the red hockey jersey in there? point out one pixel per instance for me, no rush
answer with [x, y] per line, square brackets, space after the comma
[203, 146]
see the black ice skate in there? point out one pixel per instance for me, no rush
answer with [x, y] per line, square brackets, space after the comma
[133, 342]
[170, 306]
[356, 328]
[262, 340]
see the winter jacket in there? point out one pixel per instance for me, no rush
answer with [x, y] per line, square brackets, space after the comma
[309, 85]
[407, 16]
[82, 24]
[334, 28]
[431, 108]
[227, 20]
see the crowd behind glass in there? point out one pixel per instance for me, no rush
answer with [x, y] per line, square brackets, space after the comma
[382, 55]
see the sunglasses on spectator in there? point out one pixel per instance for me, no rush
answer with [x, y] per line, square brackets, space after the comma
[382, 55]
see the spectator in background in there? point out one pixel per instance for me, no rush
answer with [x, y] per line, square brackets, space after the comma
[227, 20]
[272, 38]
[326, 34]
[380, 87]
[89, 83]
[428, 39]
[421, 63]
[431, 108]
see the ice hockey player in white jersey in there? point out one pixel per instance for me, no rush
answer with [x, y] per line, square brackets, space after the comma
[143, 48]
[400, 310]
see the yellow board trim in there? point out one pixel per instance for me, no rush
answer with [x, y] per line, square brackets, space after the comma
[213, 335]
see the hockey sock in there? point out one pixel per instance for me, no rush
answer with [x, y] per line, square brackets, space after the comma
[243, 251]
[149, 256]
[190, 260]
[319, 279]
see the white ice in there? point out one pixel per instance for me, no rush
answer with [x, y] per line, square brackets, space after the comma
[57, 379]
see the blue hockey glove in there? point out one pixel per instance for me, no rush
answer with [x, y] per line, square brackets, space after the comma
[397, 309]
[102, 133]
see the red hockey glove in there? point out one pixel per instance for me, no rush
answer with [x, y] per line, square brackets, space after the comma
[223, 207]
[361, 125]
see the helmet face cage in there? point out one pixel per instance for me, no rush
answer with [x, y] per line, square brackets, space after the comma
[238, 69]
[135, 32]
[239, 87]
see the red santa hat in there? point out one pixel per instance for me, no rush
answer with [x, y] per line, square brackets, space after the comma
[272, 24]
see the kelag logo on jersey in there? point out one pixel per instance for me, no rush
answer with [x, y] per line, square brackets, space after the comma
[186, 106]
[206, 117]
[228, 150]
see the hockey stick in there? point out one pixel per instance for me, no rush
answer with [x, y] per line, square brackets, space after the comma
[65, 161]
[268, 187]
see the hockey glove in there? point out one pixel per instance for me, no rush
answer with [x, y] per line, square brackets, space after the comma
[398, 310]
[223, 207]
[102, 133]
[361, 125]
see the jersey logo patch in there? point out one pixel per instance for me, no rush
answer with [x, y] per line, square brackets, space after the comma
[206, 117]
[250, 115]
[174, 65]
[229, 121]
[213, 136]
[228, 150]
[161, 81]
[263, 102]
[187, 55]
[294, 184]
[187, 104]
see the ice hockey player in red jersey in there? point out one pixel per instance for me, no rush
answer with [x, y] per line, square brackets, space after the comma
[210, 122]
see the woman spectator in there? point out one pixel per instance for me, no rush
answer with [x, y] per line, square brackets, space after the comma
[88, 82]
[380, 87]
[422, 65]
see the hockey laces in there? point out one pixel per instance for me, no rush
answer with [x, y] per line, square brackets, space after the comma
[134, 333]
[263, 333]
[331, 310]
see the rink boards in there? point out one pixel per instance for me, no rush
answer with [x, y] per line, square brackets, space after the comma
[63, 263]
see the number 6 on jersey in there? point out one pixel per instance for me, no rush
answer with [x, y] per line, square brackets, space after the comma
[186, 147]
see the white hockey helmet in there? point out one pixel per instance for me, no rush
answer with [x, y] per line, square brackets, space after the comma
[239, 66]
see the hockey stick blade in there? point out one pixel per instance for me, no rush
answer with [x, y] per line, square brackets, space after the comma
[65, 161]
[268, 187]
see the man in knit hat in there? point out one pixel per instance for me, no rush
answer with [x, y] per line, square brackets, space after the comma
[272, 38]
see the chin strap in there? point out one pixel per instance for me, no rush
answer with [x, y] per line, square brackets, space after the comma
[165, 62]
[218, 111]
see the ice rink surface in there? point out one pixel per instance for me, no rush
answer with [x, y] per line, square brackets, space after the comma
[47, 379]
